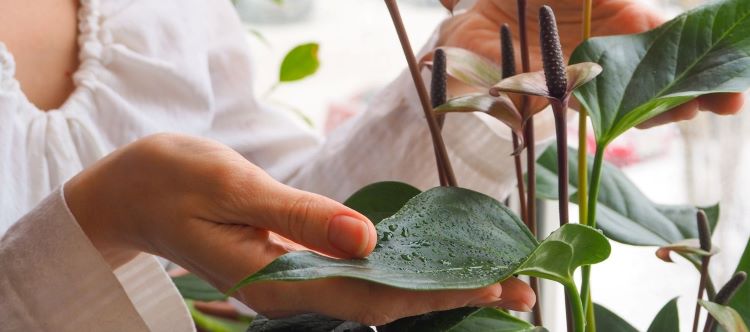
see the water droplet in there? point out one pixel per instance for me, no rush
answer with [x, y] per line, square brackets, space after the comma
[406, 257]
[393, 227]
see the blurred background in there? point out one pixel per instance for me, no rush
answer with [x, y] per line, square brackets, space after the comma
[699, 162]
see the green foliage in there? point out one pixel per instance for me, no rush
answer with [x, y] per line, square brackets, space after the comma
[462, 320]
[300, 62]
[727, 317]
[607, 320]
[192, 287]
[444, 238]
[210, 323]
[741, 299]
[703, 51]
[625, 214]
[667, 320]
[381, 200]
[566, 249]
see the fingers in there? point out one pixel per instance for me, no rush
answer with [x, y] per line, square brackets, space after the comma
[361, 301]
[722, 103]
[312, 220]
[719, 103]
[517, 295]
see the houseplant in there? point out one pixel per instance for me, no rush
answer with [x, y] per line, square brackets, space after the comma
[449, 238]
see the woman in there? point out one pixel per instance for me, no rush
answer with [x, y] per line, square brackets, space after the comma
[89, 193]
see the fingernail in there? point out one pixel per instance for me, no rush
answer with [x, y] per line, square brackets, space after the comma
[348, 234]
[524, 308]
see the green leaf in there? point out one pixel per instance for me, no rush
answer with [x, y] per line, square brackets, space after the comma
[741, 299]
[706, 50]
[300, 62]
[444, 238]
[667, 320]
[727, 317]
[192, 287]
[563, 251]
[381, 200]
[462, 320]
[210, 323]
[624, 213]
[307, 323]
[607, 320]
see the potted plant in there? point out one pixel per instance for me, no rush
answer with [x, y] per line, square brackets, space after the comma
[452, 238]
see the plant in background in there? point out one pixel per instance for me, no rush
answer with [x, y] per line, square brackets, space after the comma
[453, 238]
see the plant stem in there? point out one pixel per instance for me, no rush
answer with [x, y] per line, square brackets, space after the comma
[701, 287]
[572, 294]
[559, 109]
[441, 154]
[528, 135]
[519, 179]
[596, 178]
[583, 185]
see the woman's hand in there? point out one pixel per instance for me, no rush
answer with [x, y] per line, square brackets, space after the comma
[206, 208]
[477, 30]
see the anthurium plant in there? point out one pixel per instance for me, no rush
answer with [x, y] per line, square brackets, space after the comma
[449, 237]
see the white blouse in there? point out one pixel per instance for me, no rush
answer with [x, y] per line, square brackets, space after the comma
[182, 66]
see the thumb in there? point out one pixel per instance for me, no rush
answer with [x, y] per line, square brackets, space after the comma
[315, 221]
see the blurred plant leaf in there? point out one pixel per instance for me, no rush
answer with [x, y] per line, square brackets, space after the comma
[684, 247]
[468, 67]
[381, 200]
[728, 318]
[462, 320]
[300, 62]
[192, 287]
[607, 320]
[210, 323]
[667, 320]
[702, 51]
[624, 213]
[741, 299]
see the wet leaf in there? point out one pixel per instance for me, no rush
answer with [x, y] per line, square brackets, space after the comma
[381, 200]
[307, 323]
[702, 51]
[728, 318]
[444, 238]
[462, 320]
[300, 62]
[639, 222]
[535, 84]
[684, 247]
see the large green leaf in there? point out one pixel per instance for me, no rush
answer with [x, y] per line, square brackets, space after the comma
[624, 213]
[702, 51]
[667, 320]
[564, 250]
[192, 287]
[300, 62]
[462, 320]
[727, 317]
[607, 320]
[741, 299]
[381, 200]
[444, 238]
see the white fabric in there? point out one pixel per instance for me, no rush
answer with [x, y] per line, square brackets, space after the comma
[182, 66]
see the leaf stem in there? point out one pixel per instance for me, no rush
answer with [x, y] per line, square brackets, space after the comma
[528, 135]
[701, 287]
[582, 182]
[519, 180]
[575, 299]
[441, 154]
[596, 178]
